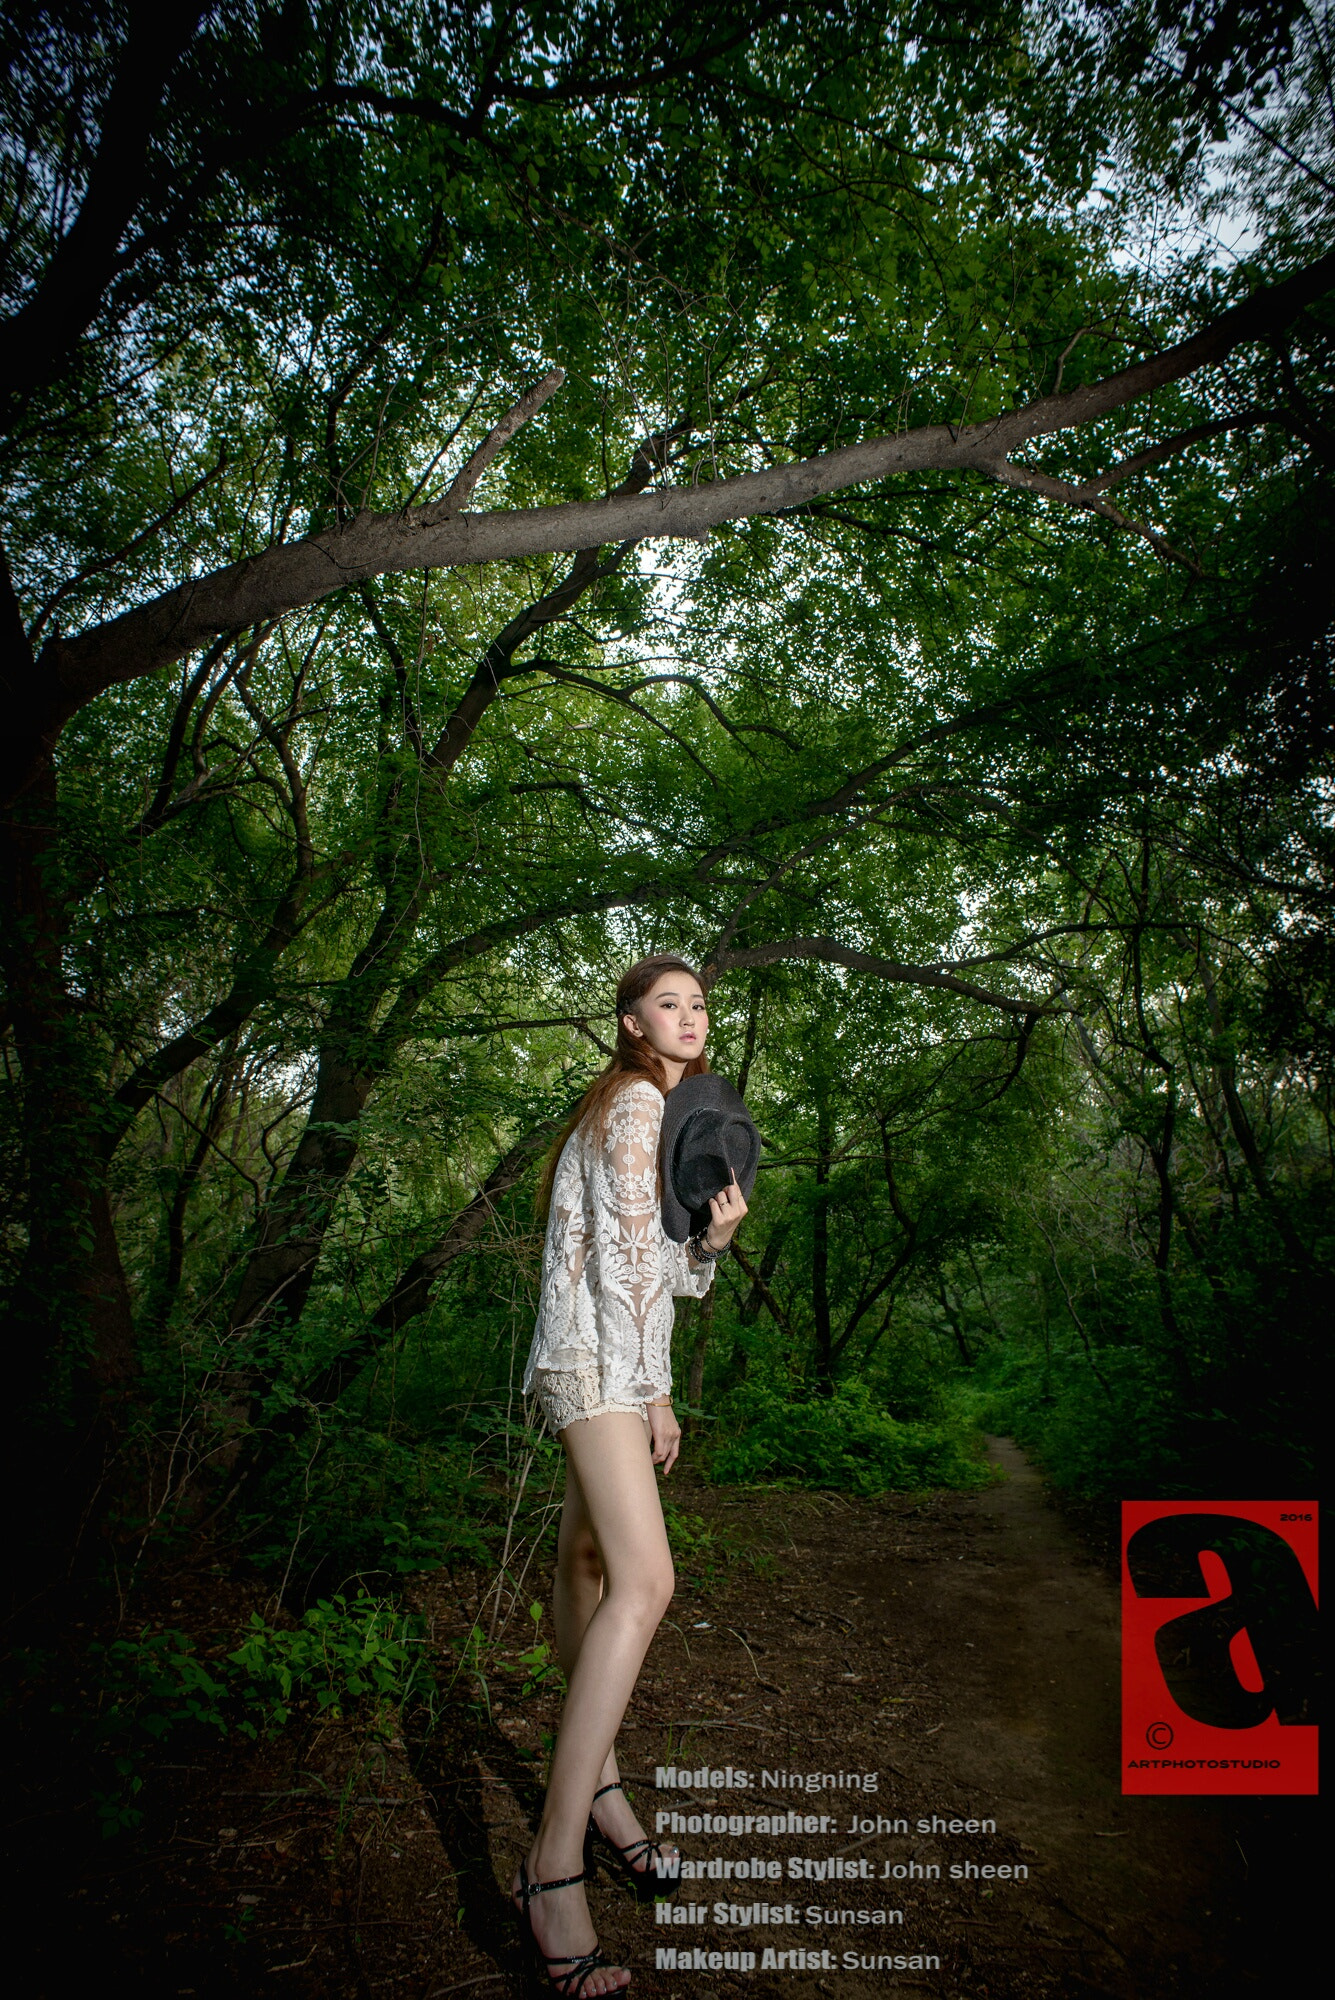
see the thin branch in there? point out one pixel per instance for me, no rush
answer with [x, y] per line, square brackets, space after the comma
[1155, 454]
[420, 485]
[461, 487]
[568, 678]
[580, 1021]
[1076, 1320]
[190, 694]
[1031, 481]
[102, 563]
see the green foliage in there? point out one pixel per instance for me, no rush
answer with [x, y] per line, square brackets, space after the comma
[372, 1503]
[841, 1442]
[487, 1665]
[148, 1686]
[1135, 1411]
[343, 1656]
[340, 1655]
[537, 1665]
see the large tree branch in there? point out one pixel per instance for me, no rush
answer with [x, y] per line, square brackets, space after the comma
[290, 575]
[869, 1298]
[761, 1290]
[1029, 480]
[409, 1297]
[498, 663]
[252, 983]
[461, 487]
[828, 952]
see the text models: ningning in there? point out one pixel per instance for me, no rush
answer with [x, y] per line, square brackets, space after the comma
[726, 1778]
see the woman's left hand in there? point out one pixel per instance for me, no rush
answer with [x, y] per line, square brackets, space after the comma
[664, 1433]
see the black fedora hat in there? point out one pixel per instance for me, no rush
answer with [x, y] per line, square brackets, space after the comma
[708, 1136]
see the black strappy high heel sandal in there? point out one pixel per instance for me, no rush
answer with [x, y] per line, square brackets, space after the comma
[653, 1882]
[569, 1985]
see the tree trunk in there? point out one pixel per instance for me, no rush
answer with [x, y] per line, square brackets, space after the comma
[820, 1244]
[412, 1294]
[71, 1296]
[1241, 1125]
[69, 1325]
[1161, 1154]
[281, 1267]
[955, 1324]
[410, 1297]
[695, 1374]
[219, 1103]
[1162, 1157]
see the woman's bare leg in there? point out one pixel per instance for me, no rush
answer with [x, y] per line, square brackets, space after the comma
[575, 1597]
[618, 1492]
[578, 1588]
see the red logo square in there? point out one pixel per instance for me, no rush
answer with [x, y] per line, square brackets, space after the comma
[1219, 1646]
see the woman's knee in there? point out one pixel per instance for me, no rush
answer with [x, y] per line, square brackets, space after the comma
[665, 1583]
[646, 1592]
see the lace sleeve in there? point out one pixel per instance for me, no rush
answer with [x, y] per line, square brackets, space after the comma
[639, 1268]
[632, 1265]
[565, 1335]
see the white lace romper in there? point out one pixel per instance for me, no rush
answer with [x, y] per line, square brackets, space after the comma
[603, 1340]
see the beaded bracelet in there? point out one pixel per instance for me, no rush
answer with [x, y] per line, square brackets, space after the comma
[702, 1252]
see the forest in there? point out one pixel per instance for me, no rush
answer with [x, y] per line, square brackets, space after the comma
[840, 491]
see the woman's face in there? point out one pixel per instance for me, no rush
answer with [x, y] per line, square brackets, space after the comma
[672, 1017]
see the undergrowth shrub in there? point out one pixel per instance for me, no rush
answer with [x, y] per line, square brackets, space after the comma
[1088, 1439]
[362, 1658]
[1140, 1432]
[339, 1655]
[343, 1657]
[370, 1503]
[845, 1442]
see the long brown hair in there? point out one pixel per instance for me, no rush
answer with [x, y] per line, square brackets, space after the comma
[632, 1057]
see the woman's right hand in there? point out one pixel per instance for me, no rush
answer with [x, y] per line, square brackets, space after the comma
[726, 1211]
[664, 1434]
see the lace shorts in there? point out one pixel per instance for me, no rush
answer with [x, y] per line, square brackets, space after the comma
[570, 1395]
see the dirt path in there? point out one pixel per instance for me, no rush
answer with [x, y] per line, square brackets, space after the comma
[962, 1647]
[1135, 1896]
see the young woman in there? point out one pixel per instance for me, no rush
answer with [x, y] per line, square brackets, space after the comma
[600, 1366]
